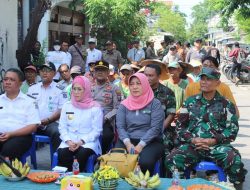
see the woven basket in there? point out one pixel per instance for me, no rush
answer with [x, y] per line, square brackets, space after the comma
[108, 184]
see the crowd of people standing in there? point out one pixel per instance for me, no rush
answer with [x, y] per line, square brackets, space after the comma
[167, 105]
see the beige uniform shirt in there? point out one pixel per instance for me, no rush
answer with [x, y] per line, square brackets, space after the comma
[76, 57]
[114, 58]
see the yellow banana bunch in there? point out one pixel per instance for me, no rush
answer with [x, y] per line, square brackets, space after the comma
[143, 181]
[23, 169]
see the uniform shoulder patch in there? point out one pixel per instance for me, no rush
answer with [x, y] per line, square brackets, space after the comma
[33, 97]
[61, 87]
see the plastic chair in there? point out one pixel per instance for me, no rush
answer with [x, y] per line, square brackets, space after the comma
[204, 166]
[32, 153]
[45, 139]
[89, 168]
[157, 169]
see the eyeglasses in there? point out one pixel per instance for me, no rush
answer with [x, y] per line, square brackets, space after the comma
[46, 70]
[64, 71]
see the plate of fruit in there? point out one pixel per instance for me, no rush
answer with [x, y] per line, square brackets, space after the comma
[43, 177]
[8, 173]
[143, 182]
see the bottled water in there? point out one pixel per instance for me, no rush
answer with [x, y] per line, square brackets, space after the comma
[75, 167]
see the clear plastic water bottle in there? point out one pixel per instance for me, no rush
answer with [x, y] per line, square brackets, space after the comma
[7, 159]
[137, 169]
[75, 167]
[176, 178]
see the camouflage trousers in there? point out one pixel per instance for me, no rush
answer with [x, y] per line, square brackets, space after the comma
[224, 155]
[169, 140]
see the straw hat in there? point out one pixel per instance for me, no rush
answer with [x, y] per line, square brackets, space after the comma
[164, 71]
[187, 68]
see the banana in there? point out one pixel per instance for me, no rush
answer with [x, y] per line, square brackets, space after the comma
[20, 166]
[155, 184]
[131, 182]
[153, 179]
[141, 175]
[6, 171]
[147, 174]
[22, 170]
[27, 169]
[134, 177]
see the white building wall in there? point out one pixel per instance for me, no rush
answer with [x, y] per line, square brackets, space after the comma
[8, 33]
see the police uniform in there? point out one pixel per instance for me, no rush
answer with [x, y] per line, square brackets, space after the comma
[78, 55]
[109, 97]
[49, 101]
[112, 57]
[167, 99]
[62, 84]
[14, 115]
[215, 118]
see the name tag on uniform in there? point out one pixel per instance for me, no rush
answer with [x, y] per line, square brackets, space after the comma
[35, 93]
[64, 95]
[1, 107]
[146, 111]
[70, 115]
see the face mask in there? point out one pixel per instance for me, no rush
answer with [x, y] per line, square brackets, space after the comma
[57, 47]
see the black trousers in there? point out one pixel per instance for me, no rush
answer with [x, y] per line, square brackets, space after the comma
[107, 137]
[236, 68]
[66, 157]
[53, 133]
[15, 147]
[149, 155]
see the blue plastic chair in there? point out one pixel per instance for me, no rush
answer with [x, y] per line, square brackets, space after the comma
[89, 168]
[32, 153]
[45, 139]
[205, 166]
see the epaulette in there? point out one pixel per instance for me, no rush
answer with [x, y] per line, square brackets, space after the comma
[32, 84]
[31, 96]
[61, 87]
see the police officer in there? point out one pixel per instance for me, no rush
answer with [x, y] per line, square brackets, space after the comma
[78, 52]
[167, 99]
[19, 116]
[109, 96]
[50, 99]
[112, 56]
[206, 126]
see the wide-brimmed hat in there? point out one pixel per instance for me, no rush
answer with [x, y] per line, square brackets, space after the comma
[187, 68]
[164, 71]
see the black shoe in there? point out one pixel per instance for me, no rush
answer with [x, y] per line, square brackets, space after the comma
[238, 186]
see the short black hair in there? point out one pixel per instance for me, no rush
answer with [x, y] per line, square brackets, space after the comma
[212, 59]
[213, 44]
[156, 67]
[178, 42]
[187, 44]
[18, 72]
[236, 44]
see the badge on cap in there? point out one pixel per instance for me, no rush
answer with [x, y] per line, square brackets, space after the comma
[100, 63]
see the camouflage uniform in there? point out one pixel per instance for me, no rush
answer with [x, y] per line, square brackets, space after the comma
[208, 119]
[167, 99]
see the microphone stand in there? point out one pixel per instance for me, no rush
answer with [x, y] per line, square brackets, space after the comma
[14, 170]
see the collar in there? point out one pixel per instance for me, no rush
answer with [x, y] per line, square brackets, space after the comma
[19, 96]
[217, 96]
[52, 84]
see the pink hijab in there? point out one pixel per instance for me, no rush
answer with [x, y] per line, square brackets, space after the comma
[137, 103]
[87, 101]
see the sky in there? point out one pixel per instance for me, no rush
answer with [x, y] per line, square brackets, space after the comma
[186, 7]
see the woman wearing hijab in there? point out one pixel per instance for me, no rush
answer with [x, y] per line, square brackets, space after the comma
[80, 126]
[139, 123]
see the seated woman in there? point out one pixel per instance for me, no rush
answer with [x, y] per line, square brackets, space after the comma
[80, 126]
[139, 123]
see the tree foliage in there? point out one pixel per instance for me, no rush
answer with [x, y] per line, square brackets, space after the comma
[119, 20]
[172, 21]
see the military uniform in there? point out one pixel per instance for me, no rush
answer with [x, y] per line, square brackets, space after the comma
[208, 119]
[109, 97]
[167, 99]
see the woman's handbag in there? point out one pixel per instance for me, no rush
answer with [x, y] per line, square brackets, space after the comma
[122, 161]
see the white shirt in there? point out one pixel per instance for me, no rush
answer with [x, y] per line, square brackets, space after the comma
[136, 54]
[93, 56]
[58, 58]
[81, 124]
[49, 100]
[17, 113]
[171, 58]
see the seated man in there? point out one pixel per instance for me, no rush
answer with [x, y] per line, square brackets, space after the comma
[224, 90]
[18, 117]
[206, 126]
[50, 99]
